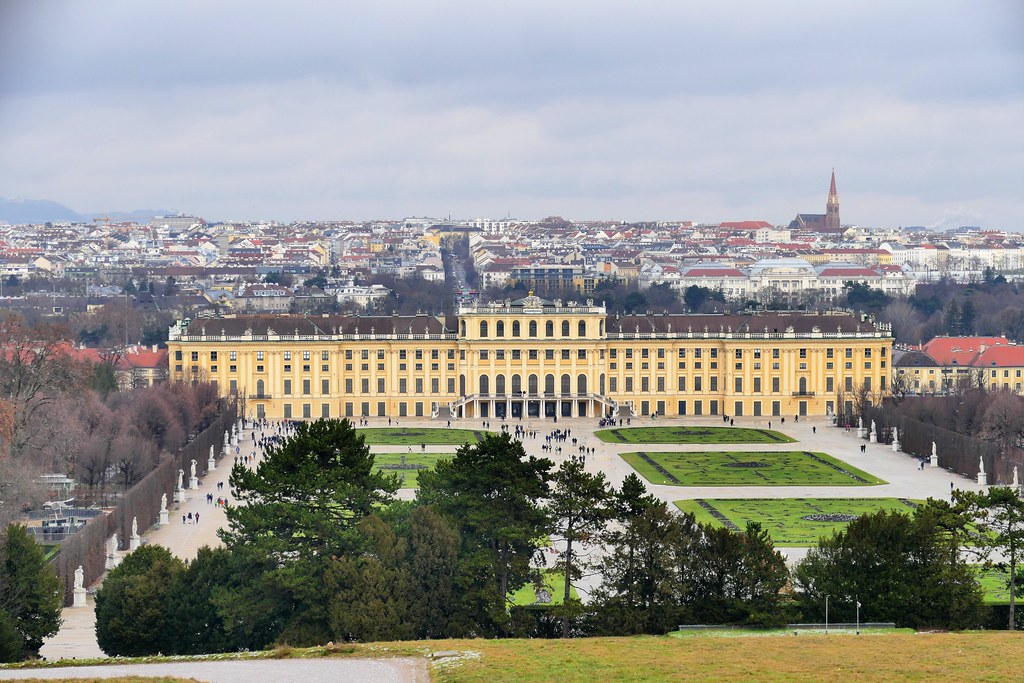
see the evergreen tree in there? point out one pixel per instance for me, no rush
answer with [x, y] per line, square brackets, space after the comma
[999, 516]
[134, 606]
[580, 509]
[308, 493]
[495, 493]
[433, 564]
[31, 595]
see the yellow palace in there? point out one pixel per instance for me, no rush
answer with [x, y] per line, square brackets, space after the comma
[536, 358]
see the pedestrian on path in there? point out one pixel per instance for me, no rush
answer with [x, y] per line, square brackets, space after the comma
[183, 519]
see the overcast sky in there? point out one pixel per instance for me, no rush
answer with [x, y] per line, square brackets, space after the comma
[635, 110]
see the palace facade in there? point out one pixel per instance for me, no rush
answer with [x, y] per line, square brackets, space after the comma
[536, 358]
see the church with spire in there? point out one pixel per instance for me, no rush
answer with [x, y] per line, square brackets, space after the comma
[827, 222]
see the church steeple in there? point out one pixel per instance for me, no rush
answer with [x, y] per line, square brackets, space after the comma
[832, 205]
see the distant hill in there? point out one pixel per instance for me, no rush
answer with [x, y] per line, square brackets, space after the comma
[34, 211]
[15, 211]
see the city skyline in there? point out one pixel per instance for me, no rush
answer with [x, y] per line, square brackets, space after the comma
[701, 112]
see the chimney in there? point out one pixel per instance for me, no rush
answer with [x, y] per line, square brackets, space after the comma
[154, 348]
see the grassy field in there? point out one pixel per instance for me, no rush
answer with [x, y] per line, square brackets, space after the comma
[778, 468]
[865, 658]
[695, 435]
[414, 436]
[554, 582]
[785, 519]
[428, 460]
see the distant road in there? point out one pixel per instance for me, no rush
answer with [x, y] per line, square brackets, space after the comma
[326, 670]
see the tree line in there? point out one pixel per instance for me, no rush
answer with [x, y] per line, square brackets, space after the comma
[317, 550]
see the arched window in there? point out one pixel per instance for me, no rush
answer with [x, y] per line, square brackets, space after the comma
[565, 328]
[462, 385]
[259, 387]
[533, 384]
[515, 328]
[499, 328]
[549, 385]
[483, 328]
[600, 328]
[566, 384]
[581, 329]
[462, 328]
[533, 328]
[549, 329]
[499, 384]
[803, 386]
[581, 384]
[602, 384]
[517, 384]
[485, 387]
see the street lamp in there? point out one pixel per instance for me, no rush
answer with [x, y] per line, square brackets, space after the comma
[826, 615]
[858, 615]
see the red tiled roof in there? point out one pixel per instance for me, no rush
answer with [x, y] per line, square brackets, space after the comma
[1001, 357]
[848, 272]
[714, 272]
[960, 350]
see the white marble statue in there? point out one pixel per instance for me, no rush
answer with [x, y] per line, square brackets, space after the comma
[211, 452]
[981, 465]
[181, 479]
[895, 434]
[193, 468]
[873, 427]
[163, 503]
[860, 423]
[79, 577]
[135, 526]
[113, 545]
[1016, 482]
[227, 436]
[935, 452]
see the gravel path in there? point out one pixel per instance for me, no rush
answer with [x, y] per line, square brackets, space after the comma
[399, 670]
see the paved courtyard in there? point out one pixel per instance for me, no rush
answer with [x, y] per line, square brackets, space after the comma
[905, 480]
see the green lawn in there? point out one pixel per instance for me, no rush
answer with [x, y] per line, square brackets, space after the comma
[698, 435]
[785, 518]
[744, 468]
[555, 584]
[413, 436]
[428, 460]
[997, 590]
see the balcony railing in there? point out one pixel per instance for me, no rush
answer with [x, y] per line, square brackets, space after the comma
[260, 397]
[809, 394]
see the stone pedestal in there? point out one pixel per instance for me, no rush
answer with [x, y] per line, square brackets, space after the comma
[211, 465]
[164, 517]
[193, 483]
[895, 446]
[873, 438]
[227, 450]
[861, 432]
[982, 478]
[934, 461]
[79, 598]
[111, 561]
[179, 496]
[134, 541]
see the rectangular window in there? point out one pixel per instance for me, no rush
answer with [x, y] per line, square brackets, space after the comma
[629, 384]
[403, 386]
[697, 381]
[829, 353]
[213, 355]
[500, 355]
[305, 355]
[714, 353]
[434, 354]
[287, 409]
[305, 387]
[533, 354]
[645, 353]
[849, 384]
[737, 409]
[613, 384]
[775, 385]
[259, 368]
[213, 368]
[517, 354]
[380, 385]
[739, 354]
[380, 355]
[661, 384]
[714, 384]
[287, 355]
[419, 385]
[682, 384]
[830, 384]
[325, 410]
[435, 385]
[419, 354]
[325, 355]
[549, 354]
[259, 355]
[645, 384]
[325, 387]
[698, 407]
[757, 409]
[451, 385]
[775, 353]
[565, 354]
[757, 385]
[739, 385]
[849, 352]
[287, 387]
[681, 407]
[348, 386]
[803, 353]
[682, 354]
[233, 386]
[307, 410]
[713, 407]
[483, 354]
[348, 354]
[867, 383]
[581, 354]
[195, 356]
[364, 385]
